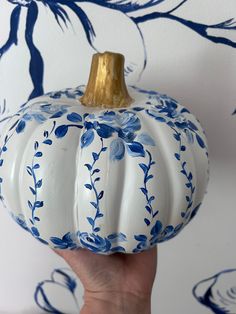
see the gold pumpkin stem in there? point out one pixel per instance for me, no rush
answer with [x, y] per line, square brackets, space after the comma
[106, 85]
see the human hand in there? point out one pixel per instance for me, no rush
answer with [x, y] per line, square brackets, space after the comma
[114, 284]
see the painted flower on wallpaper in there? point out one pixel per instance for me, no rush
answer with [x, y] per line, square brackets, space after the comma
[61, 282]
[218, 292]
[61, 10]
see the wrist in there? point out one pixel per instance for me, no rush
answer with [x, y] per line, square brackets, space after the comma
[116, 303]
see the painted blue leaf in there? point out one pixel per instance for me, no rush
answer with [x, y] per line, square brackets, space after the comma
[57, 114]
[1, 162]
[138, 108]
[31, 221]
[145, 139]
[117, 249]
[95, 156]
[190, 204]
[61, 130]
[29, 170]
[20, 126]
[183, 148]
[94, 204]
[184, 110]
[38, 154]
[27, 117]
[38, 204]
[144, 191]
[154, 215]
[143, 167]
[4, 149]
[161, 119]
[140, 237]
[182, 214]
[113, 236]
[187, 198]
[96, 229]
[88, 166]
[148, 208]
[39, 183]
[151, 199]
[88, 186]
[190, 176]
[42, 240]
[104, 149]
[99, 215]
[87, 138]
[188, 185]
[97, 179]
[45, 133]
[100, 195]
[36, 218]
[35, 231]
[147, 222]
[32, 190]
[74, 117]
[95, 171]
[36, 145]
[36, 166]
[56, 240]
[200, 141]
[181, 125]
[104, 130]
[30, 205]
[148, 178]
[177, 156]
[90, 220]
[171, 124]
[117, 149]
[88, 125]
[48, 142]
[135, 149]
[177, 136]
[192, 125]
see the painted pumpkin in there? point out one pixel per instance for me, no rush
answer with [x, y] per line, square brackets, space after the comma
[114, 171]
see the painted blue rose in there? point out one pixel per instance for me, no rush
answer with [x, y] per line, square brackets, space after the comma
[97, 244]
[94, 242]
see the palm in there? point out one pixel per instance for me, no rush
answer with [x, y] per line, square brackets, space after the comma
[118, 272]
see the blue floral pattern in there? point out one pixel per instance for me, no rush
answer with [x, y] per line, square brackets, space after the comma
[158, 234]
[98, 244]
[120, 133]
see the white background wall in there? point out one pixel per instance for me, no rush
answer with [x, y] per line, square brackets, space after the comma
[197, 72]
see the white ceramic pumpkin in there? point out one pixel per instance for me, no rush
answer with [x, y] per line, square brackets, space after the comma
[106, 179]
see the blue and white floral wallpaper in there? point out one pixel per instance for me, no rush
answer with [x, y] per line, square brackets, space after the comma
[183, 48]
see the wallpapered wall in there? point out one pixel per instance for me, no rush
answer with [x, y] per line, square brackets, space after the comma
[183, 48]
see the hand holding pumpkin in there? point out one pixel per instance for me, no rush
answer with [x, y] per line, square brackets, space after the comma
[114, 284]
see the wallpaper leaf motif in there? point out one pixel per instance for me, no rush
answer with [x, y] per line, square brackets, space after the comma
[44, 294]
[218, 292]
[58, 8]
